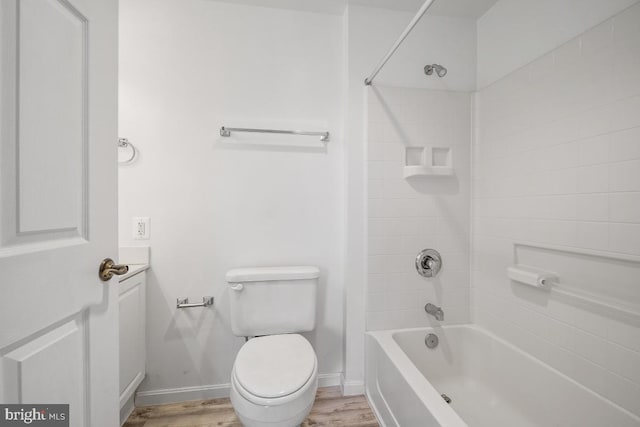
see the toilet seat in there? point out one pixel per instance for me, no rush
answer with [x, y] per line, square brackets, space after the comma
[285, 411]
[275, 369]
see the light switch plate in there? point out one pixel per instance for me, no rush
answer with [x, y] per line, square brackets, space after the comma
[141, 228]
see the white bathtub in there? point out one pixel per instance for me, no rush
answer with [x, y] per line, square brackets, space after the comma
[490, 383]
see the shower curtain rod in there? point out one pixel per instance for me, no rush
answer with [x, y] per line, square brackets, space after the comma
[398, 42]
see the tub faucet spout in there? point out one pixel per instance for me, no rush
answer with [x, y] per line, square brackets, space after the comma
[435, 311]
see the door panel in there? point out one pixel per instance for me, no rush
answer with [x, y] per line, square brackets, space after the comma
[58, 206]
[34, 370]
[45, 131]
[52, 128]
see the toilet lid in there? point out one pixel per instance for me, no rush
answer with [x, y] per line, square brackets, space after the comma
[275, 365]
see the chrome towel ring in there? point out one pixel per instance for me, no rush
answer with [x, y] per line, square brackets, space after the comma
[124, 143]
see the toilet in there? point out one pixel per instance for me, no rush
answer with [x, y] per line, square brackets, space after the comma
[275, 374]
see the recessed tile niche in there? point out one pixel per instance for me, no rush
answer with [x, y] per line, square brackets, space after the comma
[428, 161]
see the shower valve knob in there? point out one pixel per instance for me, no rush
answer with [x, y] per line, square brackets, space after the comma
[428, 263]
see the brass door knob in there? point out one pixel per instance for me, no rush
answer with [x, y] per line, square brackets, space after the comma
[108, 268]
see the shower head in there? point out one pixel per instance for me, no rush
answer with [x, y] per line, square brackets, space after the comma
[439, 69]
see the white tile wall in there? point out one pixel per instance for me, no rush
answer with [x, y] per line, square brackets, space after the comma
[557, 162]
[406, 216]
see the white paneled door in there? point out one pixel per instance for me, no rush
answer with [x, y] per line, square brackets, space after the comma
[58, 212]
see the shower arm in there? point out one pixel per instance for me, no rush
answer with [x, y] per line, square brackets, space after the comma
[398, 42]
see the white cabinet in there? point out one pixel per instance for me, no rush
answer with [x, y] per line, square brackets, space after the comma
[132, 302]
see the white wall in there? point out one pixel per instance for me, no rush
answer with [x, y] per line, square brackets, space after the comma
[515, 32]
[406, 216]
[369, 32]
[557, 162]
[186, 68]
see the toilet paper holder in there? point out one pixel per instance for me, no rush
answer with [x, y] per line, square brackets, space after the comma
[184, 302]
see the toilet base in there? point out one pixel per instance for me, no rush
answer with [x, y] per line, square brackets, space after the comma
[289, 414]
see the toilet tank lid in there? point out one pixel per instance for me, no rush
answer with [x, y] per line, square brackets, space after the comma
[261, 274]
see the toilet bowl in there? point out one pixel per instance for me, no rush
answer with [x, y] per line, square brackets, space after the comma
[275, 375]
[274, 381]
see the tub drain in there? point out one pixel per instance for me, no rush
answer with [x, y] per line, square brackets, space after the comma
[431, 340]
[446, 398]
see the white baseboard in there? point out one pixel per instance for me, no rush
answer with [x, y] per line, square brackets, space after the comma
[181, 394]
[127, 395]
[329, 380]
[126, 410]
[215, 391]
[351, 388]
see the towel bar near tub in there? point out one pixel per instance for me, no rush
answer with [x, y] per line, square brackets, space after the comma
[184, 302]
[549, 282]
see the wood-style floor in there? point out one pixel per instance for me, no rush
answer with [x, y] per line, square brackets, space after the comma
[329, 410]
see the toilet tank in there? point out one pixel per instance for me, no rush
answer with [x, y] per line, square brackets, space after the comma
[272, 300]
